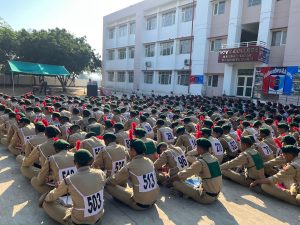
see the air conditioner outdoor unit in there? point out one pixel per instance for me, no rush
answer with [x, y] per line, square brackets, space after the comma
[148, 64]
[187, 62]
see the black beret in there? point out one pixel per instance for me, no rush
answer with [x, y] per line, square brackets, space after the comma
[24, 120]
[62, 145]
[265, 131]
[208, 123]
[283, 126]
[187, 120]
[52, 130]
[246, 123]
[290, 149]
[138, 145]
[83, 157]
[140, 132]
[289, 140]
[218, 130]
[180, 129]
[109, 136]
[204, 143]
[247, 140]
[119, 126]
[206, 131]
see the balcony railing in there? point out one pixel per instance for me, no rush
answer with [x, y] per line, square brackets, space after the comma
[244, 44]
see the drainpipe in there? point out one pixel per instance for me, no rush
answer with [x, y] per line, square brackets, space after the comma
[191, 47]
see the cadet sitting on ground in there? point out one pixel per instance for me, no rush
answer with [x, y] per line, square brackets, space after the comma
[150, 144]
[208, 169]
[88, 200]
[93, 144]
[249, 159]
[289, 177]
[140, 172]
[55, 169]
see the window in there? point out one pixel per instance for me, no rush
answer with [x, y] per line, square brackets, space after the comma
[111, 33]
[121, 76]
[215, 45]
[212, 81]
[122, 31]
[111, 76]
[219, 8]
[132, 28]
[165, 77]
[150, 50]
[187, 14]
[148, 77]
[122, 53]
[130, 76]
[254, 2]
[168, 19]
[279, 38]
[111, 54]
[183, 78]
[131, 53]
[185, 47]
[151, 23]
[166, 48]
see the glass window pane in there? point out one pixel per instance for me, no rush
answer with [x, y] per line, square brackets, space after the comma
[241, 81]
[249, 81]
[221, 7]
[248, 92]
[240, 91]
[215, 81]
[284, 34]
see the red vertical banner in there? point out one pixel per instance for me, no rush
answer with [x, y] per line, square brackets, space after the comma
[265, 71]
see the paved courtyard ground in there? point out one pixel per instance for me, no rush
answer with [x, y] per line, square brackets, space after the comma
[236, 205]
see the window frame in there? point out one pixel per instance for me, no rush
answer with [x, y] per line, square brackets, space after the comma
[111, 76]
[188, 46]
[111, 54]
[111, 33]
[130, 76]
[131, 52]
[148, 74]
[172, 19]
[213, 80]
[213, 45]
[165, 77]
[148, 51]
[216, 9]
[132, 27]
[151, 23]
[120, 50]
[282, 41]
[166, 50]
[124, 28]
[123, 77]
[183, 77]
[184, 18]
[253, 3]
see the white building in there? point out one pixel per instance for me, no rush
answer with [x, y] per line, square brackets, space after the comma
[147, 46]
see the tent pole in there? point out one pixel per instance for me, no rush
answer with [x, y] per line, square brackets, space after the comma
[13, 82]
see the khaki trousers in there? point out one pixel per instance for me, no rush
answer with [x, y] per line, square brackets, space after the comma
[4, 141]
[20, 158]
[57, 212]
[124, 195]
[237, 177]
[196, 194]
[42, 189]
[14, 150]
[276, 192]
[30, 171]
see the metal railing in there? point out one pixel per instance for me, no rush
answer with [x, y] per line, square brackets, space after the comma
[244, 44]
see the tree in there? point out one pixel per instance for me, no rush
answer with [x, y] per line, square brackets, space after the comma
[58, 47]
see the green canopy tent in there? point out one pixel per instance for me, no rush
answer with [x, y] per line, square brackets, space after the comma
[28, 68]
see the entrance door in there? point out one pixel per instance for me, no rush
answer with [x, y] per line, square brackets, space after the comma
[244, 83]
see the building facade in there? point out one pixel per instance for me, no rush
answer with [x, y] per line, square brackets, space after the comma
[156, 45]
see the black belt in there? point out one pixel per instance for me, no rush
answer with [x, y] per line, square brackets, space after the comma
[212, 194]
[143, 206]
[85, 223]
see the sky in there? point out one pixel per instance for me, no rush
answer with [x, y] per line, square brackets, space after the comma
[80, 17]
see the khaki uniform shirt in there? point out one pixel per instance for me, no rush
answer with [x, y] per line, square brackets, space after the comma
[230, 146]
[289, 175]
[139, 170]
[58, 167]
[217, 149]
[190, 127]
[66, 113]
[75, 119]
[148, 128]
[200, 168]
[112, 158]
[186, 140]
[278, 161]
[75, 137]
[165, 134]
[173, 158]
[123, 139]
[64, 130]
[127, 125]
[271, 143]
[245, 159]
[82, 194]
[95, 125]
[264, 150]
[117, 119]
[40, 153]
[93, 145]
[38, 139]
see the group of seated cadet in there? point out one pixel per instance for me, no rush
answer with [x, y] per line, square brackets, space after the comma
[134, 145]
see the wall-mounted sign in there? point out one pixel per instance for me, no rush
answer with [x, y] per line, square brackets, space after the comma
[197, 79]
[244, 54]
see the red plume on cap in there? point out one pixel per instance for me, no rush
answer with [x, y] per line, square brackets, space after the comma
[239, 133]
[113, 122]
[276, 122]
[16, 110]
[100, 137]
[55, 139]
[2, 103]
[278, 143]
[295, 129]
[244, 114]
[225, 110]
[198, 134]
[36, 120]
[140, 113]
[133, 126]
[78, 143]
[18, 117]
[263, 119]
[130, 134]
[24, 107]
[198, 127]
[104, 118]
[289, 120]
[83, 106]
[45, 122]
[37, 105]
[68, 131]
[202, 118]
[44, 104]
[54, 101]
[50, 110]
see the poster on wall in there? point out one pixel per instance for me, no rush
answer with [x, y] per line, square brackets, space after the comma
[278, 80]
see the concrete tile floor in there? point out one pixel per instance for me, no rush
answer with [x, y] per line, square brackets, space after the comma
[237, 205]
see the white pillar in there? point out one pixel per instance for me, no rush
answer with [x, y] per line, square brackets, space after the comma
[138, 55]
[234, 36]
[202, 23]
